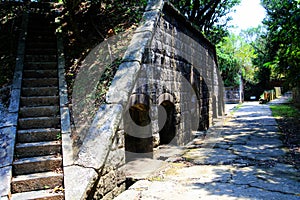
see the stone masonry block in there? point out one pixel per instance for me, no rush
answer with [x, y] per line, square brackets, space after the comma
[14, 100]
[78, 180]
[116, 158]
[96, 145]
[149, 21]
[137, 47]
[5, 177]
[68, 155]
[17, 79]
[123, 83]
[155, 5]
[7, 138]
[65, 120]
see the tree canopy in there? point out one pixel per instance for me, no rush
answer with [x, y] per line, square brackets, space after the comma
[235, 58]
[210, 16]
[282, 42]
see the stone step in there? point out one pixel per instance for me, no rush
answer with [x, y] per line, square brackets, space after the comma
[40, 65]
[39, 82]
[33, 149]
[31, 165]
[52, 73]
[40, 111]
[37, 181]
[39, 91]
[40, 39]
[40, 58]
[44, 51]
[39, 194]
[38, 135]
[40, 34]
[39, 122]
[39, 101]
[42, 44]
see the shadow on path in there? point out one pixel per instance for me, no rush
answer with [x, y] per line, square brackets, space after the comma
[243, 162]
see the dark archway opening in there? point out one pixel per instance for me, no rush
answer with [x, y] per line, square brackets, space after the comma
[138, 135]
[167, 122]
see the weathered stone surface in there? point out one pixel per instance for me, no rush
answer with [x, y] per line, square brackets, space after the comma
[11, 119]
[67, 149]
[202, 174]
[139, 43]
[17, 79]
[65, 120]
[78, 180]
[7, 144]
[245, 167]
[142, 168]
[108, 185]
[14, 100]
[154, 5]
[207, 156]
[123, 83]
[115, 192]
[149, 21]
[95, 147]
[161, 57]
[5, 177]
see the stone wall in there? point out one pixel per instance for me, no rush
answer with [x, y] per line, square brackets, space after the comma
[178, 68]
[167, 87]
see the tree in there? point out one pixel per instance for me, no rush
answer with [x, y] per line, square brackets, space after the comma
[282, 38]
[235, 58]
[256, 37]
[210, 16]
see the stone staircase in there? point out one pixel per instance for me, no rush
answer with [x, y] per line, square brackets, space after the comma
[37, 165]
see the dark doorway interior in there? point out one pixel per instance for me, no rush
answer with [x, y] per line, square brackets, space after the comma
[166, 122]
[138, 136]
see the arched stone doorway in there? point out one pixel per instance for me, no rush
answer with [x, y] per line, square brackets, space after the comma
[166, 119]
[137, 126]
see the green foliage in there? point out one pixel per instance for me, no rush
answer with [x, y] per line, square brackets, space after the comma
[85, 24]
[235, 57]
[210, 16]
[284, 111]
[282, 38]
[10, 21]
[58, 136]
[105, 81]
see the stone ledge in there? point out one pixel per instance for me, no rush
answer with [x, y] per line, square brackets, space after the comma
[5, 177]
[155, 5]
[78, 181]
[8, 132]
[136, 49]
[123, 83]
[149, 21]
[100, 136]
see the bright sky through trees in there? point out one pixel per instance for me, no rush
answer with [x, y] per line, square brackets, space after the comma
[248, 14]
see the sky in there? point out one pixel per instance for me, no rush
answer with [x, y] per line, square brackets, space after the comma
[248, 14]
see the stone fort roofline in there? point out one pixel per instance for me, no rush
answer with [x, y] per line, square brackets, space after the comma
[192, 30]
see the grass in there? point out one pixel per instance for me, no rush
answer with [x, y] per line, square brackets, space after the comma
[284, 111]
